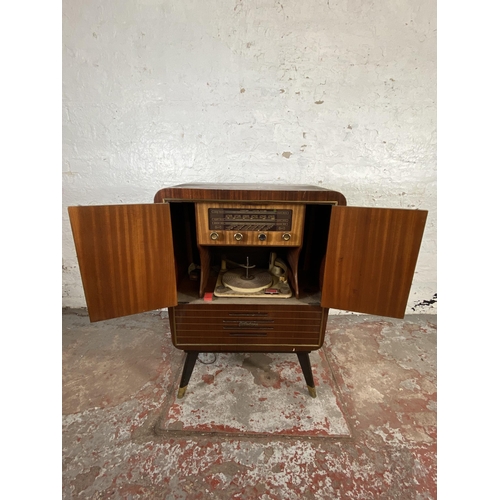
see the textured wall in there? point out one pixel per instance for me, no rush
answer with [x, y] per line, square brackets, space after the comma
[339, 94]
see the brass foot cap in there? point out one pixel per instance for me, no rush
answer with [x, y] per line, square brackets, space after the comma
[181, 392]
[312, 391]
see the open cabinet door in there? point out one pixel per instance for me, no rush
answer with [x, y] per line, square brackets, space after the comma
[371, 258]
[126, 258]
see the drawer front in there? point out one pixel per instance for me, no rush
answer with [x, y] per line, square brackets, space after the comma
[248, 328]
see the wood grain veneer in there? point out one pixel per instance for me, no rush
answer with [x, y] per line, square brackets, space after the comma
[237, 328]
[250, 238]
[249, 193]
[126, 258]
[358, 259]
[371, 259]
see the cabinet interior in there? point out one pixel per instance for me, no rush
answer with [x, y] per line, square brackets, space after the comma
[309, 265]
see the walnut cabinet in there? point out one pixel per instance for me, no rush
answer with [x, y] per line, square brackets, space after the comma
[168, 254]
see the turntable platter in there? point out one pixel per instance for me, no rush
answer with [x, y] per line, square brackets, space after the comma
[236, 280]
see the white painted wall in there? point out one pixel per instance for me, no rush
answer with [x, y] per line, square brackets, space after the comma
[333, 93]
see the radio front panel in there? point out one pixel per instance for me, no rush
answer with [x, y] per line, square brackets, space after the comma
[245, 224]
[249, 219]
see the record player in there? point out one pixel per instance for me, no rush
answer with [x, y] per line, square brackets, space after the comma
[247, 281]
[251, 245]
[251, 228]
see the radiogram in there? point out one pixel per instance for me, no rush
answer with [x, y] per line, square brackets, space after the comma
[246, 267]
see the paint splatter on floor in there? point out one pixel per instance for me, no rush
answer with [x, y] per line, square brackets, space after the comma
[258, 393]
[385, 370]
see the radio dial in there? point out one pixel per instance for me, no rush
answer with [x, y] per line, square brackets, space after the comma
[238, 236]
[286, 236]
[214, 236]
[262, 237]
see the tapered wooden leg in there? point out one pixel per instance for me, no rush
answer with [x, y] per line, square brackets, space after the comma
[191, 358]
[305, 364]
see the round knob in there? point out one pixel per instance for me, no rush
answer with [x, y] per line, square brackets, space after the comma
[214, 236]
[262, 237]
[238, 236]
[286, 236]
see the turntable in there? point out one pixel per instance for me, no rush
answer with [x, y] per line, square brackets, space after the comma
[246, 280]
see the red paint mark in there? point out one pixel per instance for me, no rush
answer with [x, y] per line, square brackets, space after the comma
[277, 384]
[213, 482]
[299, 431]
[208, 379]
[213, 427]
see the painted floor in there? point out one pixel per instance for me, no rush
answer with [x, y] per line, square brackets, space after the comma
[257, 394]
[369, 434]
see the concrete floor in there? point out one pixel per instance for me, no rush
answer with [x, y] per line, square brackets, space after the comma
[118, 375]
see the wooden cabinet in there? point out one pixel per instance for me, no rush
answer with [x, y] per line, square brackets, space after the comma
[173, 252]
[271, 327]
